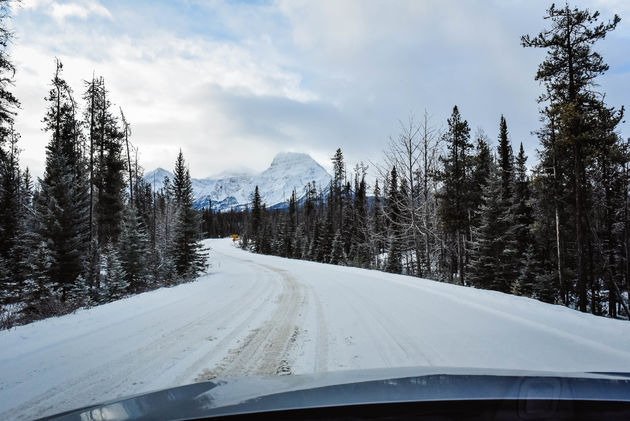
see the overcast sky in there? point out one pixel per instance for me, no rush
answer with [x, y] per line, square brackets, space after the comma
[233, 83]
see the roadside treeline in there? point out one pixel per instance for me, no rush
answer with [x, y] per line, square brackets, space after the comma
[451, 207]
[90, 230]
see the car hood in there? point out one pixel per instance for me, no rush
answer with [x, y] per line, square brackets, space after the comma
[260, 394]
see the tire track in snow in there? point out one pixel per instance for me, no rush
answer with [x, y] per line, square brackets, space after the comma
[321, 348]
[385, 342]
[368, 333]
[112, 378]
[413, 348]
[266, 348]
[579, 340]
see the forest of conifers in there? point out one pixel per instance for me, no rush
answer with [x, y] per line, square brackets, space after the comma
[450, 207]
[90, 230]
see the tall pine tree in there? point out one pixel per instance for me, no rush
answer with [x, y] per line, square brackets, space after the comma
[62, 204]
[569, 74]
[455, 195]
[188, 255]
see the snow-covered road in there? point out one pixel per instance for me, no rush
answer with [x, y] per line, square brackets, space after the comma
[265, 315]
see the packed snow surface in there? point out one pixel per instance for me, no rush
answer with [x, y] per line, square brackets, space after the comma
[288, 171]
[264, 315]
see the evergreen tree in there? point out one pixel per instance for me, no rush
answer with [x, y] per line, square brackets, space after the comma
[208, 223]
[10, 215]
[608, 191]
[92, 97]
[8, 102]
[256, 220]
[180, 181]
[114, 283]
[455, 196]
[300, 243]
[62, 203]
[109, 178]
[506, 161]
[337, 253]
[569, 74]
[38, 289]
[134, 251]
[9, 164]
[361, 254]
[509, 261]
[313, 247]
[310, 199]
[521, 208]
[482, 167]
[349, 228]
[325, 238]
[491, 264]
[337, 186]
[289, 227]
[495, 258]
[530, 274]
[394, 263]
[266, 232]
[378, 221]
[27, 238]
[79, 294]
[534, 279]
[165, 221]
[188, 254]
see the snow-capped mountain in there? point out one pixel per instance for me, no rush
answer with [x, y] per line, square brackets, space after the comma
[288, 171]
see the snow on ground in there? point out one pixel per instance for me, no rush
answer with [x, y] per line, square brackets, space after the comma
[264, 315]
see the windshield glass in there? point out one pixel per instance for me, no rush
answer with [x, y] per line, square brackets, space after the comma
[200, 190]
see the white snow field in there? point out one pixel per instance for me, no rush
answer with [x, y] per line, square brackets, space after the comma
[264, 315]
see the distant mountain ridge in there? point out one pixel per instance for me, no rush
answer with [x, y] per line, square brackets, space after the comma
[288, 171]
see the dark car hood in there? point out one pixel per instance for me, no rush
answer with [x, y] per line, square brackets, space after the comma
[259, 394]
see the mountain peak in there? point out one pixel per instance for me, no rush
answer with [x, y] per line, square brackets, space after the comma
[158, 172]
[288, 171]
[156, 177]
[290, 158]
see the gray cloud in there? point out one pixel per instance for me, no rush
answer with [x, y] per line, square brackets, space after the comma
[298, 75]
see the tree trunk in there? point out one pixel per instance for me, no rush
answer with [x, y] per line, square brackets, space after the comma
[126, 128]
[460, 257]
[93, 93]
[101, 162]
[556, 198]
[579, 230]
